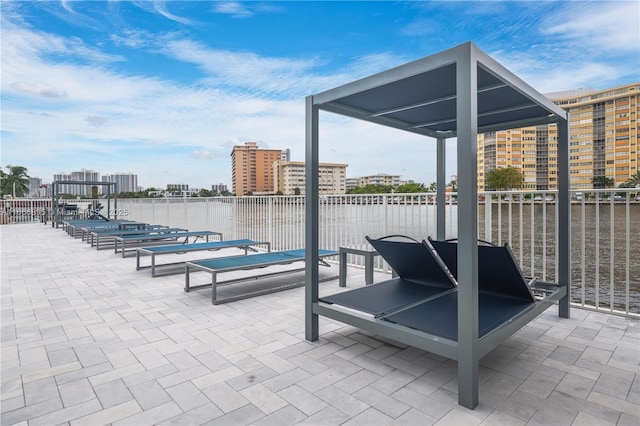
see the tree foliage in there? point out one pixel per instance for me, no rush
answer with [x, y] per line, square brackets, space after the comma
[371, 189]
[15, 182]
[504, 179]
[600, 182]
[410, 188]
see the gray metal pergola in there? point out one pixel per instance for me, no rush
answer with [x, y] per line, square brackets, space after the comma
[55, 195]
[459, 92]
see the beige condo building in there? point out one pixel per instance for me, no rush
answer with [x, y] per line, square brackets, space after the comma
[603, 139]
[290, 175]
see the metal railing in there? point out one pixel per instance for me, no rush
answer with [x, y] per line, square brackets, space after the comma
[605, 229]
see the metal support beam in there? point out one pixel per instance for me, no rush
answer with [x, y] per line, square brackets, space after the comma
[441, 189]
[564, 219]
[467, 113]
[311, 218]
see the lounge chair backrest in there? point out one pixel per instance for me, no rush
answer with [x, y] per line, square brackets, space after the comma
[413, 261]
[498, 271]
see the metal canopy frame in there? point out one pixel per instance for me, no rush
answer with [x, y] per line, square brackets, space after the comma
[459, 92]
[55, 195]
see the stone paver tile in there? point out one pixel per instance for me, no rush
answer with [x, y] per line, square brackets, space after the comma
[252, 377]
[404, 365]
[320, 381]
[149, 394]
[217, 377]
[50, 372]
[67, 414]
[575, 385]
[266, 400]
[540, 385]
[430, 382]
[246, 414]
[119, 373]
[112, 393]
[225, 397]
[187, 396]
[91, 355]
[627, 420]
[33, 356]
[501, 384]
[31, 411]
[62, 356]
[328, 417]
[434, 408]
[370, 416]
[356, 381]
[341, 365]
[151, 416]
[383, 403]
[11, 404]
[457, 417]
[617, 387]
[82, 373]
[286, 379]
[108, 415]
[393, 381]
[10, 387]
[288, 415]
[276, 363]
[182, 360]
[414, 417]
[152, 359]
[182, 376]
[121, 358]
[498, 418]
[143, 375]
[302, 400]
[195, 416]
[341, 400]
[40, 390]
[614, 403]
[73, 393]
[583, 419]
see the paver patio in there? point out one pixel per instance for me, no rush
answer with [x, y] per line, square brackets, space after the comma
[87, 339]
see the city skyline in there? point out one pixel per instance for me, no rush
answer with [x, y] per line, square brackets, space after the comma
[168, 88]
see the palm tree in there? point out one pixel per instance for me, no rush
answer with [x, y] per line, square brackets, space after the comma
[634, 179]
[600, 182]
[16, 182]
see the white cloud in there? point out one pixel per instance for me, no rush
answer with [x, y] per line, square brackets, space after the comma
[38, 88]
[613, 25]
[233, 8]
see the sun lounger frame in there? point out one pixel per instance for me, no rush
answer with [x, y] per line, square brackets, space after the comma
[249, 262]
[155, 251]
[124, 241]
[98, 237]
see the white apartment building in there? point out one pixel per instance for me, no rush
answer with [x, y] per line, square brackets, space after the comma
[125, 182]
[379, 179]
[290, 175]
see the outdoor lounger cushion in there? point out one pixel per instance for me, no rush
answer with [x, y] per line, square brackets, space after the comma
[503, 294]
[421, 275]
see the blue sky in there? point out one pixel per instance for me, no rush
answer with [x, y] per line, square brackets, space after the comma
[165, 89]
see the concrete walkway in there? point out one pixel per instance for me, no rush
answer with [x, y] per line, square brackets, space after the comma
[87, 339]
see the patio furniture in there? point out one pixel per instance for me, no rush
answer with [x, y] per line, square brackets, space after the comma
[124, 241]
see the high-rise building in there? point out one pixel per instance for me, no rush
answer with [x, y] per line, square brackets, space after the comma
[290, 178]
[252, 169]
[125, 182]
[603, 141]
[219, 188]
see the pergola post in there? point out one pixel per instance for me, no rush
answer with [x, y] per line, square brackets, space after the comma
[311, 218]
[564, 219]
[467, 131]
